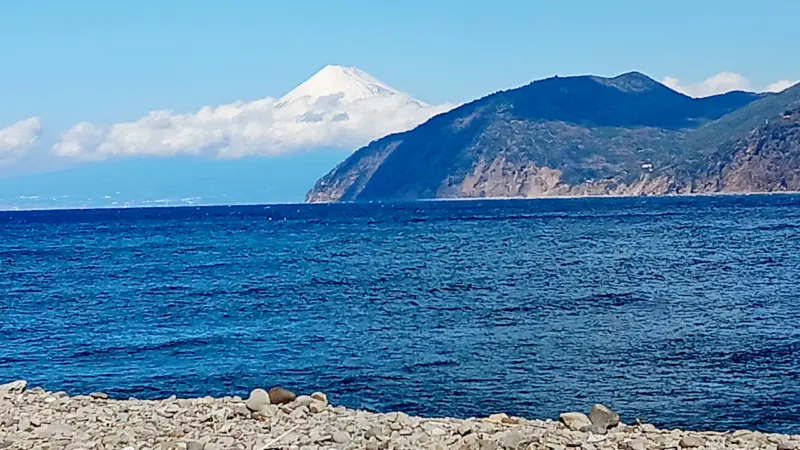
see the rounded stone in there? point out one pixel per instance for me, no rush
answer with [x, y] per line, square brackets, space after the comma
[341, 437]
[320, 396]
[259, 398]
[303, 400]
[280, 396]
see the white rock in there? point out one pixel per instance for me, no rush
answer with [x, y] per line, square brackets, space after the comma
[341, 437]
[320, 396]
[497, 418]
[56, 429]
[259, 398]
[638, 443]
[15, 387]
[303, 400]
[511, 440]
[691, 442]
[24, 424]
[317, 407]
[465, 428]
[373, 432]
[575, 421]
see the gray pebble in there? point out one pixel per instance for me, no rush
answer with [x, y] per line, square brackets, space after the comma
[341, 437]
[691, 442]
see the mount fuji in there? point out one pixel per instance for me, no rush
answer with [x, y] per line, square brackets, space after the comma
[265, 150]
[347, 83]
[338, 107]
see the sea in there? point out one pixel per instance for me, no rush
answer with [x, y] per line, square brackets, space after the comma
[679, 311]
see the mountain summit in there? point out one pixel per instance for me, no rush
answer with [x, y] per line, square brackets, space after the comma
[347, 84]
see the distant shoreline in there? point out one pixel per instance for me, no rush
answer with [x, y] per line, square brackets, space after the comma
[422, 200]
[598, 196]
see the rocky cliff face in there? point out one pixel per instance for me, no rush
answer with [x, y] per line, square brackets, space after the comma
[350, 176]
[766, 160]
[627, 135]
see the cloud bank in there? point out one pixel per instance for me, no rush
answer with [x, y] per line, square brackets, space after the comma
[721, 83]
[339, 107]
[264, 127]
[18, 138]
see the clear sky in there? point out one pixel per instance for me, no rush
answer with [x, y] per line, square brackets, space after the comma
[107, 61]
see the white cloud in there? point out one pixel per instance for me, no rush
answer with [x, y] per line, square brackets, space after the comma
[260, 127]
[18, 137]
[721, 83]
[716, 84]
[780, 86]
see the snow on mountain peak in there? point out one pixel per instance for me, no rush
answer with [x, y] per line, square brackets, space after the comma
[338, 107]
[349, 83]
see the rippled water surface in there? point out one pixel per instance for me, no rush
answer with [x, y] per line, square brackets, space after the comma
[682, 311]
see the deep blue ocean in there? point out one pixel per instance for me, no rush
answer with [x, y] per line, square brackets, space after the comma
[680, 311]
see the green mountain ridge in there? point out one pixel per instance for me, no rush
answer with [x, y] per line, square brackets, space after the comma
[586, 135]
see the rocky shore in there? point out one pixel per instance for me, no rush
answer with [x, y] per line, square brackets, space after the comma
[277, 419]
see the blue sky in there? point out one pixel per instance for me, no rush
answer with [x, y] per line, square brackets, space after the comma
[106, 62]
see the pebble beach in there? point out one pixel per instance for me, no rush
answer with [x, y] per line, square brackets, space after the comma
[32, 418]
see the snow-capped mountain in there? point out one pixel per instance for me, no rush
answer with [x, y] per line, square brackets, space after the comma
[348, 83]
[338, 107]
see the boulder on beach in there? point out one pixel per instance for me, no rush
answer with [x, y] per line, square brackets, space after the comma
[576, 421]
[280, 396]
[603, 417]
[15, 387]
[259, 398]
